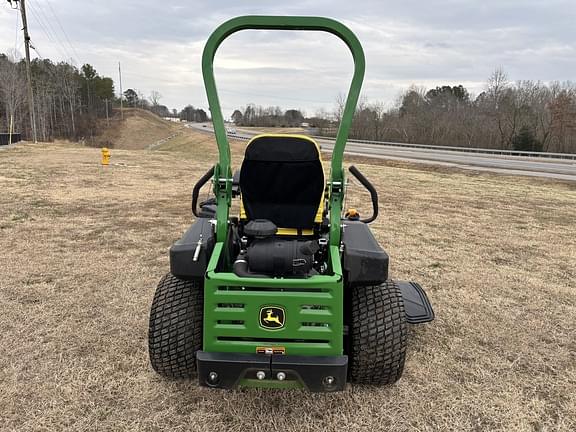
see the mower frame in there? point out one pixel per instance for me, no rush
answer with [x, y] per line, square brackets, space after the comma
[310, 348]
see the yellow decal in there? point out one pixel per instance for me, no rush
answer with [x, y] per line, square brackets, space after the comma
[271, 350]
[272, 317]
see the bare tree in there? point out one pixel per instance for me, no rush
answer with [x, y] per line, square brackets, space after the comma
[69, 88]
[500, 104]
[497, 85]
[12, 88]
[155, 97]
[563, 122]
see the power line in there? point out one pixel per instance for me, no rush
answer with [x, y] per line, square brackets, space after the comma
[41, 24]
[42, 27]
[55, 38]
[49, 35]
[63, 31]
[52, 29]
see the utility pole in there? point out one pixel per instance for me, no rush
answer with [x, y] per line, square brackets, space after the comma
[121, 95]
[28, 73]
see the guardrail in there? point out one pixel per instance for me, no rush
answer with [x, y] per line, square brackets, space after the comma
[231, 136]
[163, 140]
[569, 156]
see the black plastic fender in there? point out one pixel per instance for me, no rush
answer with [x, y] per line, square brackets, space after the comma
[189, 256]
[364, 261]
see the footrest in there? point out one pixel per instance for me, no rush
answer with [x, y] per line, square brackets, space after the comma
[416, 304]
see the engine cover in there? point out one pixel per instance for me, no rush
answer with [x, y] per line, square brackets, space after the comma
[281, 257]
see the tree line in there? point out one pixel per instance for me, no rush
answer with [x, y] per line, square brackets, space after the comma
[253, 115]
[525, 115]
[522, 115]
[67, 100]
[134, 98]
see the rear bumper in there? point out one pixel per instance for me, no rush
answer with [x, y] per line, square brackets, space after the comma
[228, 370]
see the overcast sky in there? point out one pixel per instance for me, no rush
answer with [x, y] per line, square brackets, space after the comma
[425, 42]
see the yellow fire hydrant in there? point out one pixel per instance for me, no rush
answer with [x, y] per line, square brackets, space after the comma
[105, 156]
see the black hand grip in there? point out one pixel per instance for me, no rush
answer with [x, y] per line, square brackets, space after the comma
[196, 191]
[373, 194]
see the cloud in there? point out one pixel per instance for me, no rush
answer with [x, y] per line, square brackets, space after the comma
[409, 42]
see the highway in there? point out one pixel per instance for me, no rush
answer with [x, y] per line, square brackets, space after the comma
[561, 169]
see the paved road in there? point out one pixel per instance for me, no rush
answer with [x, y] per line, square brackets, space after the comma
[515, 165]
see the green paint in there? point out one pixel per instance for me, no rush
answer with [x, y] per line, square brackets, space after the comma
[313, 307]
[314, 310]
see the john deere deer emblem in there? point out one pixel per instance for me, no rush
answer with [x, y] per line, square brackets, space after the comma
[272, 317]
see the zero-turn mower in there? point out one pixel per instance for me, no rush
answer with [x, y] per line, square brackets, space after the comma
[289, 293]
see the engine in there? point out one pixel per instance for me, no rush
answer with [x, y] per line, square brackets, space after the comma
[265, 255]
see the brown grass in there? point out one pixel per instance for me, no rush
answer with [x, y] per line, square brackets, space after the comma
[83, 247]
[138, 130]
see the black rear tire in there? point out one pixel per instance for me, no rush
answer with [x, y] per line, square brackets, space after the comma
[378, 334]
[175, 330]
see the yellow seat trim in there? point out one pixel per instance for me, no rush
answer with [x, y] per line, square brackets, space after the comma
[294, 232]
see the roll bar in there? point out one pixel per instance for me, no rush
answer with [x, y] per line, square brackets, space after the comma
[222, 172]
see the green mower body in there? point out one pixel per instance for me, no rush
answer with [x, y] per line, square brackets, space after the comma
[290, 293]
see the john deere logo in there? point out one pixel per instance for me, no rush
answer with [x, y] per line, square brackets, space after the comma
[272, 317]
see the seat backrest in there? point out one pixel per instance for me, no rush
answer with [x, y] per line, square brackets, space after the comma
[282, 180]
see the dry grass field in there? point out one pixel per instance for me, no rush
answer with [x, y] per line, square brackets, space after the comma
[82, 248]
[139, 130]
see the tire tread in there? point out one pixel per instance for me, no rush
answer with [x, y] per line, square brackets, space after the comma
[175, 327]
[378, 346]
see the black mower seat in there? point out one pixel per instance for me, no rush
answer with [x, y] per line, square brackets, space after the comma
[282, 180]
